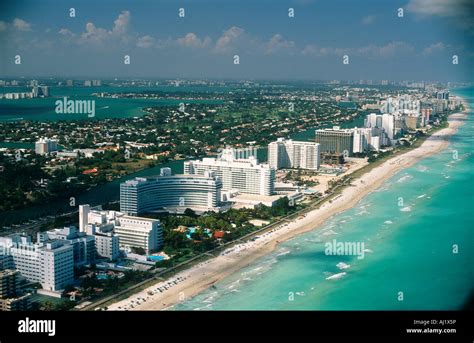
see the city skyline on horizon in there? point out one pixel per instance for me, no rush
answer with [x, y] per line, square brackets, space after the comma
[203, 44]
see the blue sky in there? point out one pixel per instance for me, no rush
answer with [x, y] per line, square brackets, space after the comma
[270, 45]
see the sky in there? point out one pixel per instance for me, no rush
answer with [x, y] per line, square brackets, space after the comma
[270, 44]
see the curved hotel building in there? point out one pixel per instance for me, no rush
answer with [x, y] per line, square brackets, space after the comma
[172, 193]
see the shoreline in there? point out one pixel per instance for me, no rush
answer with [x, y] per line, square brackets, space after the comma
[188, 283]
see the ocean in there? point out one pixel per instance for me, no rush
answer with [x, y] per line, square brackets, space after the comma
[417, 234]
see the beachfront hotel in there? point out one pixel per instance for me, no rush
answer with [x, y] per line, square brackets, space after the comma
[171, 193]
[366, 139]
[83, 245]
[132, 232]
[286, 153]
[50, 263]
[244, 175]
[387, 122]
[335, 140]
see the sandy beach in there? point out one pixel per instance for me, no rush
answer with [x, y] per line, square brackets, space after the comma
[188, 283]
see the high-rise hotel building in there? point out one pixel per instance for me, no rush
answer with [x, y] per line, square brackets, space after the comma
[293, 154]
[173, 193]
[241, 175]
[45, 145]
[335, 140]
[50, 263]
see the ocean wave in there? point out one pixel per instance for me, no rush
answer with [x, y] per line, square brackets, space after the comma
[234, 284]
[329, 232]
[422, 168]
[210, 298]
[421, 196]
[388, 222]
[404, 178]
[405, 209]
[336, 276]
[342, 265]
[283, 252]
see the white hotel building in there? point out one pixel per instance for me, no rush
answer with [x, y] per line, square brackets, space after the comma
[293, 154]
[171, 193]
[50, 263]
[239, 175]
[45, 146]
[131, 231]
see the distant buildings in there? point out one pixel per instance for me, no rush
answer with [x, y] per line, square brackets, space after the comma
[40, 91]
[173, 193]
[92, 83]
[36, 91]
[45, 146]
[442, 95]
[293, 154]
[245, 175]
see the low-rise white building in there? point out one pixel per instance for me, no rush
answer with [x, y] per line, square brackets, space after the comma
[131, 231]
[107, 243]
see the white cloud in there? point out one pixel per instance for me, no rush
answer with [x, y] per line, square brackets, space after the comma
[314, 50]
[98, 35]
[121, 24]
[93, 34]
[433, 48]
[276, 43]
[66, 33]
[375, 51]
[145, 41]
[21, 25]
[384, 51]
[191, 40]
[228, 39]
[458, 12]
[442, 8]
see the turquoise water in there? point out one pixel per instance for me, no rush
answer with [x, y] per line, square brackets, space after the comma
[409, 247]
